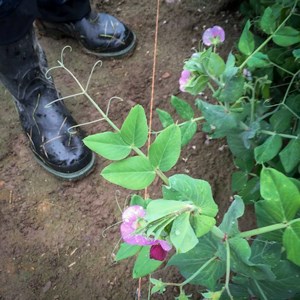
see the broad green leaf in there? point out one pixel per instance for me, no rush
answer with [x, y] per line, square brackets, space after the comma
[233, 90]
[269, 149]
[238, 181]
[218, 118]
[240, 253]
[281, 193]
[244, 165]
[229, 224]
[144, 265]
[133, 173]
[165, 150]
[126, 251]
[230, 69]
[265, 252]
[290, 155]
[246, 43]
[281, 120]
[110, 145]
[188, 131]
[134, 130]
[237, 146]
[250, 193]
[268, 21]
[202, 224]
[164, 117]
[282, 201]
[183, 109]
[189, 263]
[215, 65]
[195, 190]
[182, 235]
[197, 84]
[291, 242]
[286, 36]
[258, 60]
[285, 286]
[160, 208]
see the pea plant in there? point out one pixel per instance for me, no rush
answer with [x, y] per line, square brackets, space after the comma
[180, 228]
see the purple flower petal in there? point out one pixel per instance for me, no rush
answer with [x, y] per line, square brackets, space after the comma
[213, 36]
[132, 213]
[157, 252]
[184, 78]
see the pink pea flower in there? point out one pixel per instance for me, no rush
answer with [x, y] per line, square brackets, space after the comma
[213, 36]
[183, 80]
[133, 217]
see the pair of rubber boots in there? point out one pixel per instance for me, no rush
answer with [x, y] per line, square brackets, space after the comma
[57, 145]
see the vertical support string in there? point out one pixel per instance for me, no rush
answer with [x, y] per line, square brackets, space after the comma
[151, 105]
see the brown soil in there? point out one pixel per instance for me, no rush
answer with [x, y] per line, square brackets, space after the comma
[53, 244]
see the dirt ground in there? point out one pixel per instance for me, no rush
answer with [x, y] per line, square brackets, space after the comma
[57, 238]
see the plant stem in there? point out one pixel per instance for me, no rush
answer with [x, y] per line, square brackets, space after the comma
[228, 269]
[269, 38]
[288, 136]
[216, 231]
[265, 229]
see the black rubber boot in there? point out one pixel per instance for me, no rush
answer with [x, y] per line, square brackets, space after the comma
[99, 33]
[56, 145]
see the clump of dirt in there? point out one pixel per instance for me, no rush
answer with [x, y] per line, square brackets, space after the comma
[58, 238]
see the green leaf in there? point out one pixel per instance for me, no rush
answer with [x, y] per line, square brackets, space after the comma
[165, 150]
[218, 117]
[126, 251]
[182, 234]
[138, 200]
[233, 90]
[195, 190]
[250, 193]
[290, 155]
[159, 286]
[133, 173]
[268, 21]
[282, 201]
[244, 165]
[258, 60]
[134, 130]
[144, 265]
[291, 242]
[164, 117]
[246, 43]
[214, 64]
[183, 109]
[265, 252]
[189, 263]
[269, 149]
[238, 181]
[108, 144]
[188, 131]
[296, 53]
[161, 208]
[229, 224]
[286, 36]
[285, 286]
[240, 253]
[202, 224]
[230, 69]
[281, 120]
[197, 84]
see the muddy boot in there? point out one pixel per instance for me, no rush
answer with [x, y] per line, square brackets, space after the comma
[57, 146]
[99, 33]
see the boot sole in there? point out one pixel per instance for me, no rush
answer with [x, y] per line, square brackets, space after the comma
[69, 176]
[57, 34]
